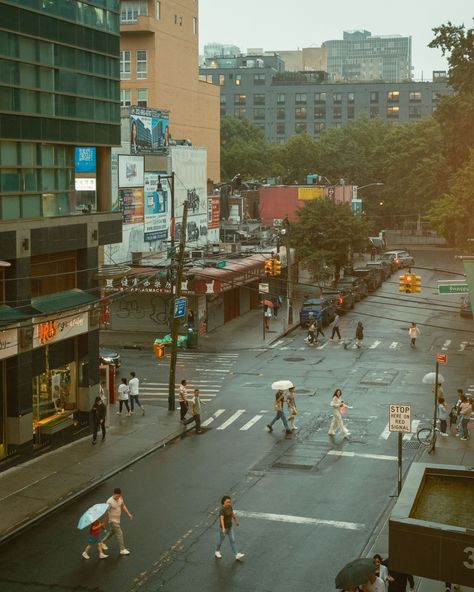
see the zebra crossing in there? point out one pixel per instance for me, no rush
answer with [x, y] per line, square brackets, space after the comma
[209, 369]
[369, 344]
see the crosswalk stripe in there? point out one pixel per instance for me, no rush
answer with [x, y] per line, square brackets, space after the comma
[446, 344]
[414, 427]
[250, 423]
[393, 345]
[164, 398]
[463, 345]
[361, 455]
[323, 345]
[214, 416]
[301, 520]
[212, 370]
[165, 387]
[231, 419]
[277, 343]
[375, 344]
[386, 433]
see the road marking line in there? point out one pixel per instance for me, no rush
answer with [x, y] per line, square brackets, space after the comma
[463, 345]
[361, 455]
[301, 520]
[250, 423]
[386, 433]
[323, 345]
[213, 417]
[211, 370]
[393, 345]
[375, 344]
[165, 398]
[446, 344]
[231, 419]
[283, 348]
[203, 388]
[414, 427]
[277, 343]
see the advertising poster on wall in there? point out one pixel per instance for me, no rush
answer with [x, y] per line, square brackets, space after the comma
[149, 131]
[131, 204]
[213, 218]
[131, 170]
[85, 159]
[157, 210]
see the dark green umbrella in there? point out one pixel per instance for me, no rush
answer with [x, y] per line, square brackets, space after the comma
[355, 573]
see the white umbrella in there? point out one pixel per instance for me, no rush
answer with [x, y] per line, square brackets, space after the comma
[430, 378]
[282, 385]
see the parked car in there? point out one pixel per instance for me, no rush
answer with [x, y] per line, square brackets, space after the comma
[383, 268]
[107, 356]
[372, 278]
[391, 260]
[402, 258]
[356, 285]
[466, 308]
[342, 298]
[318, 308]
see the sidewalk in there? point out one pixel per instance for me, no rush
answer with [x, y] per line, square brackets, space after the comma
[449, 451]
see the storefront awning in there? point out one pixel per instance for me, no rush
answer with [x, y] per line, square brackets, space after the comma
[60, 301]
[237, 272]
[11, 315]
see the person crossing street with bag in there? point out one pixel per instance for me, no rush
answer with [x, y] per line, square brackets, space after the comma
[279, 413]
[338, 408]
[293, 412]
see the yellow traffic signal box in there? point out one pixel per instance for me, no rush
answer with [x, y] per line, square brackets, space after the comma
[416, 284]
[268, 266]
[276, 267]
[406, 283]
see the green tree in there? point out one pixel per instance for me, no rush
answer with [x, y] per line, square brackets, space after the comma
[299, 158]
[324, 235]
[243, 149]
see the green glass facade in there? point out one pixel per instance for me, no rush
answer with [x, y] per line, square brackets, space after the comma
[59, 88]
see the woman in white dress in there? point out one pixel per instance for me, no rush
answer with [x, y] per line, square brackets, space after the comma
[338, 408]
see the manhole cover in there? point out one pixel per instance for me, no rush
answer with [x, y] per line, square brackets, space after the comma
[294, 359]
[411, 444]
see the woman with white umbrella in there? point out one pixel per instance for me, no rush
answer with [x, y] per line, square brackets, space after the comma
[280, 386]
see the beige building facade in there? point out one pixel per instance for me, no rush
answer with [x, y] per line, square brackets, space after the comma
[159, 68]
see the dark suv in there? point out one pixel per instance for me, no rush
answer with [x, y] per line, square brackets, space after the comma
[317, 308]
[371, 277]
[356, 285]
[342, 298]
[380, 267]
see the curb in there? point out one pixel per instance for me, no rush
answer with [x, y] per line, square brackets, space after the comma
[31, 521]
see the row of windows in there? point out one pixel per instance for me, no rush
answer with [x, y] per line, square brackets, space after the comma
[141, 97]
[33, 180]
[220, 79]
[28, 154]
[38, 77]
[14, 207]
[59, 56]
[141, 56]
[48, 104]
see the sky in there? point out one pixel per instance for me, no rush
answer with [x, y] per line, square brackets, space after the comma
[281, 25]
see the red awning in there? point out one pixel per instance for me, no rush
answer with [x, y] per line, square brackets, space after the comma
[237, 272]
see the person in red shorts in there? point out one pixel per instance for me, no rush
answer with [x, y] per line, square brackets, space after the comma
[93, 539]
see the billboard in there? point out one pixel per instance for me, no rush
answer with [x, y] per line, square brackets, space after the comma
[213, 211]
[157, 208]
[149, 131]
[131, 170]
[131, 204]
[85, 159]
[306, 193]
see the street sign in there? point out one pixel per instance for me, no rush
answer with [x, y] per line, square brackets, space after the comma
[442, 358]
[221, 264]
[264, 288]
[452, 287]
[180, 308]
[399, 418]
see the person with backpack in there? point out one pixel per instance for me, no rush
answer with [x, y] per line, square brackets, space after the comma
[98, 413]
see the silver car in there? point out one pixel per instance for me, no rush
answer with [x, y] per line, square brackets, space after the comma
[401, 258]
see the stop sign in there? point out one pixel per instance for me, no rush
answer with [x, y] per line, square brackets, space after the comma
[442, 358]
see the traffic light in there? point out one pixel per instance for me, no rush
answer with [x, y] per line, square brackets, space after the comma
[416, 284]
[276, 267]
[268, 266]
[406, 283]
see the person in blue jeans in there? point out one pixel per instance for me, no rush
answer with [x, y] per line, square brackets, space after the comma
[280, 414]
[226, 516]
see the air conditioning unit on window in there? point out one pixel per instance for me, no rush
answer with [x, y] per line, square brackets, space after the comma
[197, 254]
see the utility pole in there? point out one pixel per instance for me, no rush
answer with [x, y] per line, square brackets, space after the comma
[289, 271]
[175, 321]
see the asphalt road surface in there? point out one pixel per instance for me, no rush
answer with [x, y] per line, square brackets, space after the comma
[308, 503]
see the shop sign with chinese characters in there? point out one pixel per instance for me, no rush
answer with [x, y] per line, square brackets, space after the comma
[52, 329]
[8, 343]
[145, 286]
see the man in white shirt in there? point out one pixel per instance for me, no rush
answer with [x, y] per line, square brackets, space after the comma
[123, 396]
[116, 505]
[134, 388]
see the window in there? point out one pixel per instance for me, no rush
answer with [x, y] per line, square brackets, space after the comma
[259, 78]
[337, 98]
[392, 112]
[320, 111]
[259, 99]
[221, 79]
[319, 127]
[320, 97]
[300, 98]
[435, 96]
[142, 64]
[374, 111]
[337, 112]
[195, 25]
[238, 79]
[280, 99]
[415, 96]
[300, 113]
[414, 111]
[393, 96]
[132, 9]
[223, 111]
[350, 97]
[300, 128]
[125, 61]
[280, 112]
[158, 10]
[374, 97]
[142, 97]
[338, 125]
[240, 112]
[125, 97]
[280, 128]
[350, 111]
[223, 99]
[240, 99]
[259, 113]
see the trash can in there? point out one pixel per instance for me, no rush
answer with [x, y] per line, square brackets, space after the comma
[192, 339]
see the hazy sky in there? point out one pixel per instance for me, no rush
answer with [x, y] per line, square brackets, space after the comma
[279, 24]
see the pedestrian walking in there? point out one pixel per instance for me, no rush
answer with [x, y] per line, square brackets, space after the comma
[267, 315]
[226, 517]
[382, 571]
[338, 408]
[134, 388]
[196, 409]
[398, 580]
[311, 338]
[116, 505]
[359, 334]
[98, 413]
[183, 399]
[93, 539]
[413, 332]
[375, 584]
[292, 411]
[465, 410]
[335, 327]
[276, 306]
[123, 394]
[319, 328]
[455, 416]
[279, 413]
[443, 416]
